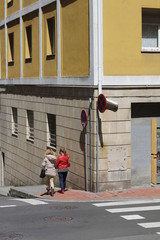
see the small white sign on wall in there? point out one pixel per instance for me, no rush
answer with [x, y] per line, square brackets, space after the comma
[117, 159]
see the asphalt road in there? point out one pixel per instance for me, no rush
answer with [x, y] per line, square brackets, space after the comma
[38, 219]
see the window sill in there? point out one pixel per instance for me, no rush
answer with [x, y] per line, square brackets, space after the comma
[30, 140]
[28, 60]
[11, 63]
[50, 57]
[51, 147]
[150, 50]
[15, 134]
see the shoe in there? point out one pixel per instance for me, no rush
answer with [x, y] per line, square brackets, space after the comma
[47, 191]
[52, 192]
[62, 191]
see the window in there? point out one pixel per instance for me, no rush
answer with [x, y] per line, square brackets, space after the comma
[28, 44]
[14, 121]
[10, 48]
[9, 3]
[30, 125]
[151, 30]
[51, 131]
[50, 37]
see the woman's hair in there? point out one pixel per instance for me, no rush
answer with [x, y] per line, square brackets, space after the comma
[63, 150]
[49, 152]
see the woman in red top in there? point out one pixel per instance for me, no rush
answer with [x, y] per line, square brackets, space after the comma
[62, 164]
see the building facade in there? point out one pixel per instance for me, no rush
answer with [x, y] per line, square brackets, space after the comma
[56, 58]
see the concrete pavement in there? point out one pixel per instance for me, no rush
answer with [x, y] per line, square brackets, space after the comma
[39, 191]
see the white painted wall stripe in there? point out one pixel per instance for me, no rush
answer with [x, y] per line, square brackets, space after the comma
[108, 204]
[32, 201]
[132, 217]
[149, 225]
[133, 209]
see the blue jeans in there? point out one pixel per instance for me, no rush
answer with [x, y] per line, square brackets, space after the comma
[62, 179]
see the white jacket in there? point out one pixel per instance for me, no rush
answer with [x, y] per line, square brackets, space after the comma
[49, 164]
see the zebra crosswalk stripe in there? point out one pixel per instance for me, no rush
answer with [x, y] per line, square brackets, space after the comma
[132, 217]
[7, 206]
[32, 201]
[149, 224]
[132, 202]
[133, 209]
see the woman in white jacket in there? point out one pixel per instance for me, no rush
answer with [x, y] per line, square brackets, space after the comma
[49, 163]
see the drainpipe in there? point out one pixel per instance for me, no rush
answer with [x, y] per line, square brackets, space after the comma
[100, 77]
[90, 142]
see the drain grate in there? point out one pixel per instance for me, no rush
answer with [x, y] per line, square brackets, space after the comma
[11, 236]
[57, 219]
[63, 207]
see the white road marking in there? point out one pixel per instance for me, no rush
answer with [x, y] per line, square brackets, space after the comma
[132, 217]
[31, 201]
[7, 206]
[133, 209]
[108, 204]
[149, 225]
[158, 233]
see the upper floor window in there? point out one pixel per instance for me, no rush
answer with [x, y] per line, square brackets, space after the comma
[9, 3]
[151, 30]
[10, 48]
[30, 125]
[28, 44]
[50, 36]
[51, 131]
[14, 121]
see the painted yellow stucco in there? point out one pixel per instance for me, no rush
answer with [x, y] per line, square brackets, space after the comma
[2, 48]
[31, 69]
[122, 33]
[2, 10]
[14, 69]
[26, 3]
[49, 63]
[75, 37]
[12, 7]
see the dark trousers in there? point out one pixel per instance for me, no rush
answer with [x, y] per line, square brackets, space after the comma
[62, 179]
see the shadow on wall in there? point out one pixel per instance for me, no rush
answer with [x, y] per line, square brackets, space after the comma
[64, 3]
[100, 132]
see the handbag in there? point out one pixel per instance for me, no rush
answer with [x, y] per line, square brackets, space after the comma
[43, 173]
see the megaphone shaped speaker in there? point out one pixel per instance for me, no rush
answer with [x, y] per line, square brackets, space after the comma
[105, 103]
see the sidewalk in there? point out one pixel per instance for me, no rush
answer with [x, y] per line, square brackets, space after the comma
[39, 191]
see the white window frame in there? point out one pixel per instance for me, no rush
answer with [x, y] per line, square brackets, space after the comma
[153, 49]
[51, 131]
[151, 23]
[14, 121]
[30, 125]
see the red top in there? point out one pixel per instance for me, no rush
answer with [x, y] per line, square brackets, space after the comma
[62, 161]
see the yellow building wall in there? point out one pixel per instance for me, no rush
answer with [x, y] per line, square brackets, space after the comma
[12, 7]
[75, 37]
[122, 33]
[2, 49]
[26, 3]
[14, 69]
[31, 69]
[49, 65]
[2, 9]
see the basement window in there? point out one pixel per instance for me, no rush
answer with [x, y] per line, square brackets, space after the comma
[30, 126]
[50, 38]
[11, 48]
[51, 131]
[14, 122]
[150, 30]
[28, 44]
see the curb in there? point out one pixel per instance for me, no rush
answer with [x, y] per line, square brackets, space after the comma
[18, 194]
